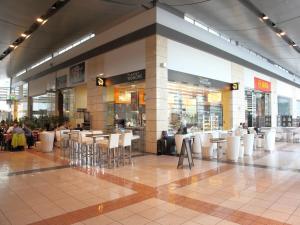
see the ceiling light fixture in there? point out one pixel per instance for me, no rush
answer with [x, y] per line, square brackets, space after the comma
[45, 21]
[282, 33]
[294, 45]
[40, 20]
[265, 17]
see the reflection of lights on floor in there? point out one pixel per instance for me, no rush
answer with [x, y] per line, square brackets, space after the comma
[100, 208]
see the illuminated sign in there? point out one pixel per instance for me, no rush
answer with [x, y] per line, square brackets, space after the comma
[234, 86]
[262, 85]
[100, 82]
[214, 97]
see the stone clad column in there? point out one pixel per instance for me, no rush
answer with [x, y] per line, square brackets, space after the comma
[95, 95]
[156, 93]
[238, 96]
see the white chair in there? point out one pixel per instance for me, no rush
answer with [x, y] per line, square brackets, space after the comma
[269, 140]
[85, 147]
[197, 150]
[233, 147]
[248, 143]
[74, 146]
[111, 145]
[125, 142]
[64, 142]
[46, 141]
[207, 146]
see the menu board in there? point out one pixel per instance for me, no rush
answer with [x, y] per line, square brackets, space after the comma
[77, 73]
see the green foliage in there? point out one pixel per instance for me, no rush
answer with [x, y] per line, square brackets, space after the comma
[43, 122]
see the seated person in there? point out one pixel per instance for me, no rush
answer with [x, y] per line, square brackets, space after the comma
[18, 139]
[78, 127]
[28, 136]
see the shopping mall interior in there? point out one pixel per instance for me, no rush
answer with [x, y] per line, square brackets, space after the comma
[158, 112]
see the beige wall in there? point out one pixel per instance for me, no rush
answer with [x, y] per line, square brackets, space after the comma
[95, 95]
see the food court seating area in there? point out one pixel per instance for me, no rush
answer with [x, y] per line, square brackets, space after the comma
[234, 144]
[95, 147]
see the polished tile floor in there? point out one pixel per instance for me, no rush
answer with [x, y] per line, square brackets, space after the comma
[40, 189]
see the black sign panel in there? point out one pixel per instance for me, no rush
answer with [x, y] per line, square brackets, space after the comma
[77, 73]
[235, 86]
[186, 150]
[187, 78]
[126, 77]
[100, 81]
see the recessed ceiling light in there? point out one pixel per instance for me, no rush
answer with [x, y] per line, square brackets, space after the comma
[23, 35]
[265, 17]
[40, 20]
[45, 21]
[282, 33]
[11, 46]
[294, 45]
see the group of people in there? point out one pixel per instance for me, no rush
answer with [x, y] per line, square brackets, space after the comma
[15, 136]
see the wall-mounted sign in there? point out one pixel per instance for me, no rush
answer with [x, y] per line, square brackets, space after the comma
[61, 82]
[234, 86]
[100, 81]
[205, 82]
[126, 77]
[186, 78]
[77, 73]
[262, 85]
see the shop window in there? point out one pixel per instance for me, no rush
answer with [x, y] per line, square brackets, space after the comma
[199, 107]
[284, 106]
[298, 108]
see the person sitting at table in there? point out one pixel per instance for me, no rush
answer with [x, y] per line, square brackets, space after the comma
[10, 129]
[18, 141]
[28, 136]
[78, 127]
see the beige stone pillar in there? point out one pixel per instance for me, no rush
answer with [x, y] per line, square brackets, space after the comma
[274, 102]
[95, 95]
[227, 109]
[238, 96]
[156, 90]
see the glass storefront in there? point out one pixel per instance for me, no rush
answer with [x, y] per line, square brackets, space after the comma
[126, 109]
[258, 108]
[199, 107]
[68, 103]
[284, 106]
[44, 105]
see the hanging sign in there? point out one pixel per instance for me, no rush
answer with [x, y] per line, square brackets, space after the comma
[234, 86]
[262, 85]
[100, 82]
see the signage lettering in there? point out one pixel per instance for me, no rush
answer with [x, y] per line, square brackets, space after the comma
[100, 82]
[235, 86]
[262, 85]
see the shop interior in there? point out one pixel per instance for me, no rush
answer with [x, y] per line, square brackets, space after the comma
[199, 107]
[126, 109]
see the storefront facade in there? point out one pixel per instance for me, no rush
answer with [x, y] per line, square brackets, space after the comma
[153, 81]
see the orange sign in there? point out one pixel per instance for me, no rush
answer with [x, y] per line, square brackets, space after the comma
[262, 85]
